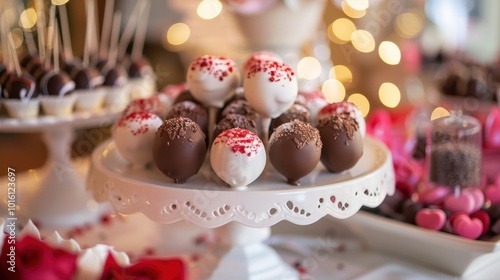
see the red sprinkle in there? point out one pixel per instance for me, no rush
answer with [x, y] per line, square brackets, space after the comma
[240, 141]
[277, 71]
[219, 67]
[138, 117]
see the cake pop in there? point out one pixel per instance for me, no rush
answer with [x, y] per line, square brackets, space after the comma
[134, 134]
[296, 112]
[235, 121]
[344, 107]
[156, 104]
[191, 110]
[342, 142]
[179, 148]
[271, 88]
[295, 150]
[238, 157]
[314, 101]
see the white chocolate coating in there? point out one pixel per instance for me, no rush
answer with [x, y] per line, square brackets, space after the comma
[158, 104]
[270, 87]
[347, 107]
[314, 101]
[212, 80]
[134, 135]
[256, 57]
[238, 157]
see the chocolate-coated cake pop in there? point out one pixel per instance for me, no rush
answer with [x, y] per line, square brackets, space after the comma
[115, 76]
[87, 78]
[235, 121]
[190, 110]
[295, 149]
[240, 107]
[185, 95]
[342, 142]
[22, 88]
[56, 83]
[179, 148]
[296, 112]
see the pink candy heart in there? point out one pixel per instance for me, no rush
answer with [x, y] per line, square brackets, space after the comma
[492, 129]
[434, 195]
[432, 219]
[462, 203]
[466, 227]
[484, 218]
[492, 193]
[478, 197]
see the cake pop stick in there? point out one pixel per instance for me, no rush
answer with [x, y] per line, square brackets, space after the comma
[106, 28]
[50, 34]
[113, 52]
[212, 80]
[128, 32]
[271, 88]
[40, 27]
[140, 33]
[68, 49]
[88, 33]
[13, 54]
[28, 36]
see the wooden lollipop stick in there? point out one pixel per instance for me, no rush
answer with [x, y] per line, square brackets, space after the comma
[40, 27]
[66, 36]
[115, 34]
[128, 32]
[140, 34]
[28, 36]
[106, 28]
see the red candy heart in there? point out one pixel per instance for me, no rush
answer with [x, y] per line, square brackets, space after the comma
[492, 193]
[484, 218]
[462, 203]
[432, 219]
[466, 227]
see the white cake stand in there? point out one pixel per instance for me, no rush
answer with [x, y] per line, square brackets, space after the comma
[54, 195]
[242, 218]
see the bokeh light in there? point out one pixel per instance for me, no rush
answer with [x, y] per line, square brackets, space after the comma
[358, 4]
[309, 68]
[389, 95]
[28, 18]
[363, 41]
[178, 34]
[59, 2]
[209, 9]
[334, 37]
[361, 101]
[351, 12]
[333, 90]
[17, 37]
[409, 24]
[439, 112]
[389, 53]
[341, 73]
[343, 28]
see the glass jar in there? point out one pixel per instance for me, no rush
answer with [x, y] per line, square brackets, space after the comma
[454, 151]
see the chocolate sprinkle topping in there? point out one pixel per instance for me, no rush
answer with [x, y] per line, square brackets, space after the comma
[177, 127]
[301, 133]
[342, 122]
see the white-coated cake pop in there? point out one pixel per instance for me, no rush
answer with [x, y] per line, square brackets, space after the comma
[314, 101]
[344, 107]
[238, 157]
[212, 80]
[158, 104]
[134, 134]
[270, 87]
[257, 57]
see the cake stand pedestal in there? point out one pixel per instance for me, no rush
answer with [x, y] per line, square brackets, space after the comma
[242, 218]
[54, 196]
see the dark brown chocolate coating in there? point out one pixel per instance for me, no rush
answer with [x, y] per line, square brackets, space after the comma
[56, 84]
[235, 121]
[114, 76]
[179, 148]
[297, 112]
[5, 75]
[86, 78]
[190, 110]
[22, 88]
[295, 150]
[185, 95]
[139, 68]
[342, 142]
[240, 107]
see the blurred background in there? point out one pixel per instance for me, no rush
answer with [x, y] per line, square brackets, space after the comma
[386, 54]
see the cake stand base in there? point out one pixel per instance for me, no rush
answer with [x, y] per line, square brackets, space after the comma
[242, 255]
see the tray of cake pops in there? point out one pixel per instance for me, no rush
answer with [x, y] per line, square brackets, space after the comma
[48, 84]
[445, 210]
[226, 133]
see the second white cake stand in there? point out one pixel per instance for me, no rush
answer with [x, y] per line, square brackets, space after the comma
[242, 218]
[55, 195]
